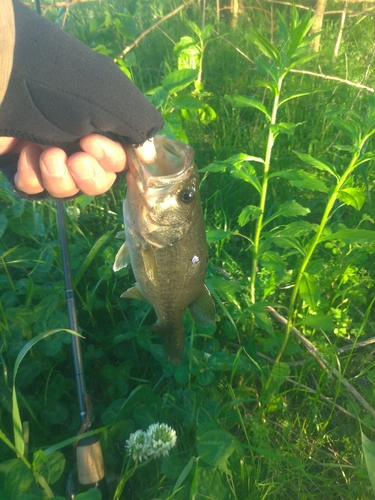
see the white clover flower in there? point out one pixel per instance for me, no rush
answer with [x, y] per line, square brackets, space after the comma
[138, 445]
[156, 442]
[162, 438]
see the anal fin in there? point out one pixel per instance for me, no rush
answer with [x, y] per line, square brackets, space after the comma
[134, 293]
[203, 309]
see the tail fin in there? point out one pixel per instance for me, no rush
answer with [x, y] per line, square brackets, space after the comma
[173, 342]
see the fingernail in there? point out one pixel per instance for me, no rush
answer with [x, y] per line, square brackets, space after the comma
[82, 169]
[55, 165]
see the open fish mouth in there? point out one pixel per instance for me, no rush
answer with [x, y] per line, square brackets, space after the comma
[162, 198]
[173, 159]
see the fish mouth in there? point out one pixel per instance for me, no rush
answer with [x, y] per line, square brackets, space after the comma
[173, 158]
[153, 206]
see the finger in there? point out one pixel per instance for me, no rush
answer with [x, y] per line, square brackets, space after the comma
[89, 176]
[7, 144]
[28, 177]
[56, 177]
[147, 152]
[109, 154]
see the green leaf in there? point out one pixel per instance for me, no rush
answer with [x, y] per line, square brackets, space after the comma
[207, 114]
[279, 373]
[91, 255]
[22, 257]
[183, 43]
[284, 128]
[261, 317]
[215, 235]
[207, 484]
[207, 31]
[242, 101]
[17, 480]
[21, 315]
[368, 448]
[49, 466]
[248, 174]
[348, 128]
[55, 413]
[297, 35]
[3, 224]
[272, 261]
[315, 267]
[343, 147]
[29, 224]
[157, 96]
[215, 167]
[263, 321]
[319, 321]
[365, 158]
[268, 68]
[215, 447]
[266, 47]
[351, 236]
[233, 161]
[309, 290]
[249, 213]
[299, 228]
[268, 85]
[288, 209]
[172, 467]
[225, 286]
[321, 165]
[288, 242]
[185, 101]
[355, 197]
[302, 180]
[92, 494]
[179, 79]
[17, 424]
[194, 27]
[185, 472]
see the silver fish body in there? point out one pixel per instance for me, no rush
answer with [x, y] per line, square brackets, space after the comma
[166, 241]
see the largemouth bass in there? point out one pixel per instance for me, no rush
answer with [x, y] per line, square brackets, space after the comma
[166, 241]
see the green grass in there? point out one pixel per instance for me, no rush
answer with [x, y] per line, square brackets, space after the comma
[257, 416]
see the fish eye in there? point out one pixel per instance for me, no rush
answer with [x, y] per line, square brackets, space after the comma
[187, 195]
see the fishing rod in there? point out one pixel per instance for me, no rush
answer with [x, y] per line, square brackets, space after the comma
[90, 468]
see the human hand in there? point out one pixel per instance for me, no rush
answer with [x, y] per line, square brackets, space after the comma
[91, 171]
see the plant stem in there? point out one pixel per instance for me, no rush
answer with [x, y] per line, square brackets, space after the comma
[313, 244]
[263, 193]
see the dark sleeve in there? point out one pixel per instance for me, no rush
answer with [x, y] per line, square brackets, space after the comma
[60, 90]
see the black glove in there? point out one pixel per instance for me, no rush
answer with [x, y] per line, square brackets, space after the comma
[60, 90]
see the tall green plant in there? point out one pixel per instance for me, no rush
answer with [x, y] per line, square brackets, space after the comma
[275, 64]
[344, 190]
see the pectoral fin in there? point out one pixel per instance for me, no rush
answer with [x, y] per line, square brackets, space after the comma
[149, 262]
[122, 257]
[203, 309]
[120, 235]
[134, 293]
